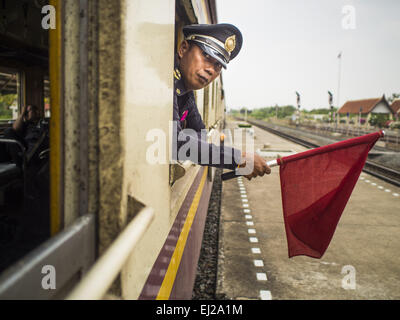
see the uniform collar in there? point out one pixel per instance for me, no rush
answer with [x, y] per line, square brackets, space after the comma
[179, 85]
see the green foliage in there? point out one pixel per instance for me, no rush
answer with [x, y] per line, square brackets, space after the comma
[269, 112]
[395, 125]
[378, 119]
[321, 111]
[283, 112]
[393, 97]
[5, 102]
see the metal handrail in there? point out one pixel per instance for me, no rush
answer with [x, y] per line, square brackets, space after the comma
[101, 276]
[13, 141]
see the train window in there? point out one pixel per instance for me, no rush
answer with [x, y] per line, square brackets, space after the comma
[9, 94]
[24, 141]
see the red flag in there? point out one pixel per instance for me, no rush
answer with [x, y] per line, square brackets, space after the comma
[315, 186]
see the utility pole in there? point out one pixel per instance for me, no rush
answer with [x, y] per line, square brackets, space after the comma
[298, 109]
[331, 104]
[340, 71]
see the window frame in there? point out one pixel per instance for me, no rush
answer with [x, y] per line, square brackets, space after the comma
[20, 86]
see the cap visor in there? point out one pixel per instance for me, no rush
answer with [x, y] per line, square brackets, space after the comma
[213, 53]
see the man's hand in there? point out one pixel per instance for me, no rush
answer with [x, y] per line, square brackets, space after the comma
[24, 112]
[260, 165]
[19, 123]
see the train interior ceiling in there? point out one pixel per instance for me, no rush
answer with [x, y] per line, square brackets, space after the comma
[24, 161]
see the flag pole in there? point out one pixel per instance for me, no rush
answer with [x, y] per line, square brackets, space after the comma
[271, 164]
[232, 174]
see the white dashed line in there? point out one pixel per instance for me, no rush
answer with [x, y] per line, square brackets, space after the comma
[258, 263]
[387, 190]
[361, 178]
[265, 295]
[367, 181]
[380, 187]
[395, 194]
[373, 183]
[261, 276]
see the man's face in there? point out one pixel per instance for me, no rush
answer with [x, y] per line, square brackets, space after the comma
[32, 113]
[198, 68]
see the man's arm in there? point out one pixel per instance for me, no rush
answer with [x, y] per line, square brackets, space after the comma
[195, 140]
[18, 125]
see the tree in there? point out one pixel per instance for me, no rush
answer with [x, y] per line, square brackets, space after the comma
[5, 102]
[393, 97]
[378, 120]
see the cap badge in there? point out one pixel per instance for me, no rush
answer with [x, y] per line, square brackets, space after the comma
[230, 44]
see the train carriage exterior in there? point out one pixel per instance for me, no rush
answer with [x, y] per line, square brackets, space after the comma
[107, 69]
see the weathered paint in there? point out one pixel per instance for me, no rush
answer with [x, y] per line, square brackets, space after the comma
[93, 109]
[110, 123]
[172, 278]
[148, 83]
[71, 111]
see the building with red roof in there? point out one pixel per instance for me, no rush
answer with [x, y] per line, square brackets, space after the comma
[366, 107]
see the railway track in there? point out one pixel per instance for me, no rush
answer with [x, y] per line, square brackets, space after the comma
[386, 174]
[355, 133]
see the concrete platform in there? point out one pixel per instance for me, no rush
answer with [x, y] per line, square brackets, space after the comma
[362, 261]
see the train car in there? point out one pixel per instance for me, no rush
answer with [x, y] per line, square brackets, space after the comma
[108, 223]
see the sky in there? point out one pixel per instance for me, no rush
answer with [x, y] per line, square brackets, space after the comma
[293, 45]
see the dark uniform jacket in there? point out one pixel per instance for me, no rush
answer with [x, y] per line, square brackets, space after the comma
[190, 139]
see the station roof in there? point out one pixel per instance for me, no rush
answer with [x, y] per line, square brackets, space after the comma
[367, 105]
[396, 106]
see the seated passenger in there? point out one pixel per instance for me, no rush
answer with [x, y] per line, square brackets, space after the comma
[32, 132]
[28, 130]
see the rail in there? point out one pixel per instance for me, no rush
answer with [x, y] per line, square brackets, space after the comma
[100, 277]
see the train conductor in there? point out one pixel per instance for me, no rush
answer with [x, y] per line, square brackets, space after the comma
[201, 56]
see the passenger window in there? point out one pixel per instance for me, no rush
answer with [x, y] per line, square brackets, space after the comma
[9, 95]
